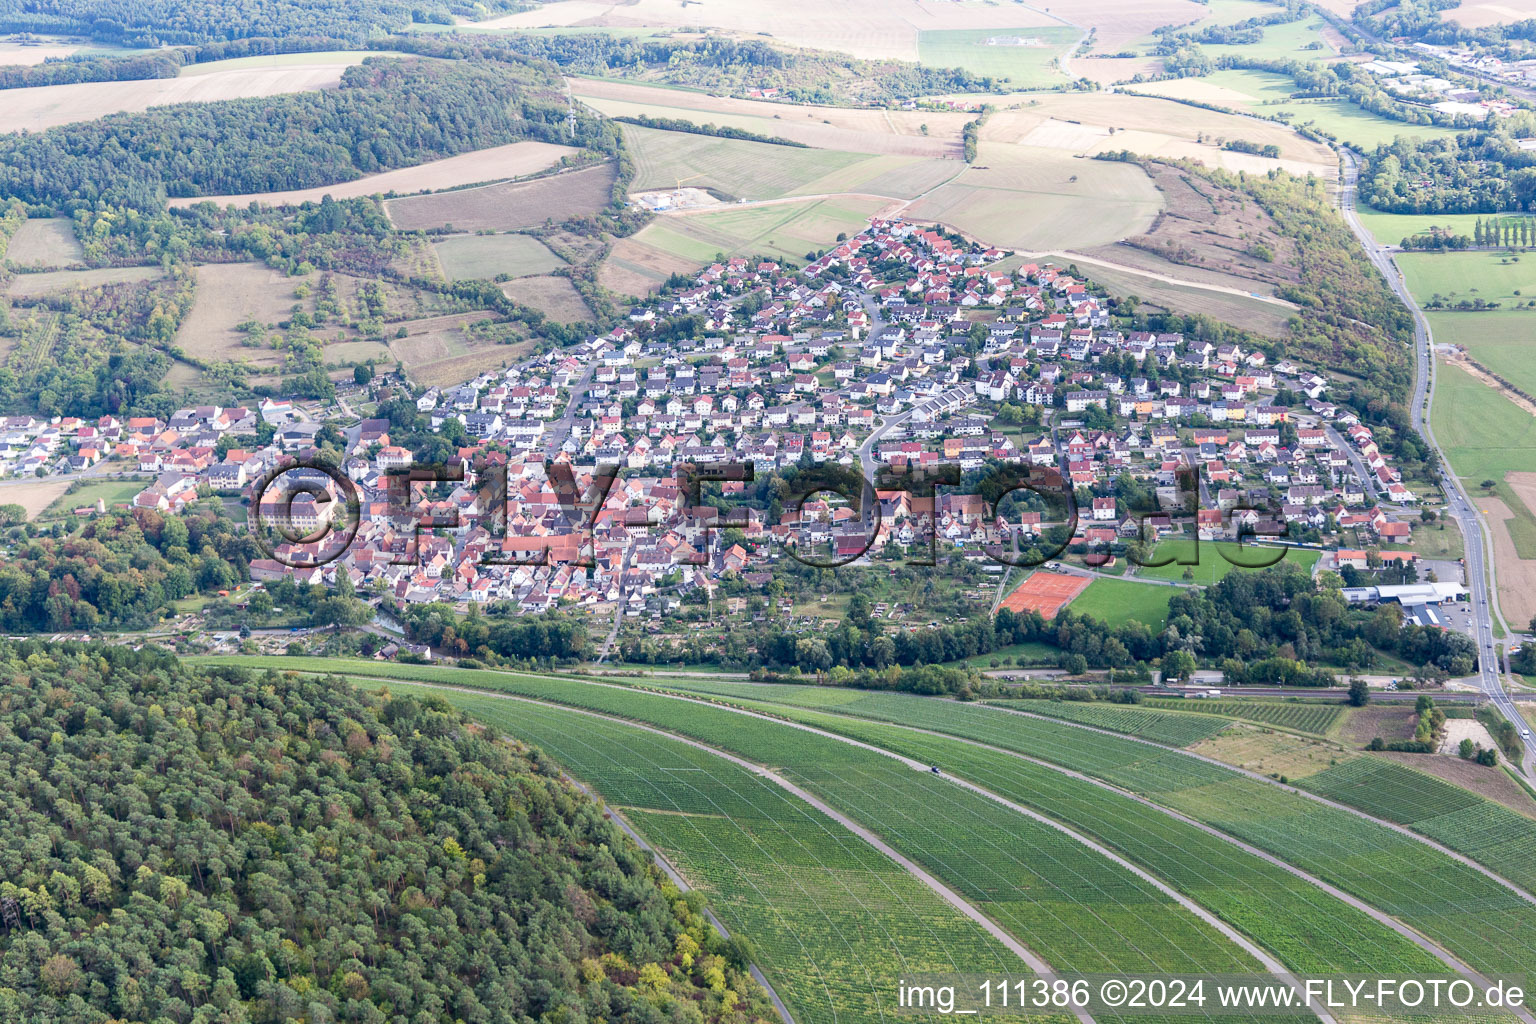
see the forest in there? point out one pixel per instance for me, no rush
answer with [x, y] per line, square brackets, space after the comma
[386, 114]
[1476, 172]
[219, 845]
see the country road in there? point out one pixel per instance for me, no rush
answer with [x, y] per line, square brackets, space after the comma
[1481, 579]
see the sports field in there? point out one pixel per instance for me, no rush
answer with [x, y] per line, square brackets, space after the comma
[1045, 592]
[1211, 567]
[1116, 602]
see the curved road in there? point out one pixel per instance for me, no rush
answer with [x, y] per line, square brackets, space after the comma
[1479, 546]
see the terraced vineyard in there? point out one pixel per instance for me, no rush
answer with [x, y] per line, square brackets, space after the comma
[1488, 832]
[833, 921]
[1450, 902]
[1316, 719]
[1171, 727]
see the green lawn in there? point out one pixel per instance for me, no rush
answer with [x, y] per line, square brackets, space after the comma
[1120, 601]
[1485, 436]
[1493, 276]
[1503, 340]
[113, 492]
[1024, 56]
[1212, 567]
[483, 257]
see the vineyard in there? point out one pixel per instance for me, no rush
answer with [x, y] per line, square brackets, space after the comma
[1041, 885]
[1173, 728]
[833, 922]
[1316, 719]
[1487, 832]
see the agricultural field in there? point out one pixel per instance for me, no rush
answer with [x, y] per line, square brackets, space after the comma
[483, 257]
[555, 297]
[1486, 831]
[47, 106]
[1493, 276]
[1169, 727]
[507, 205]
[482, 165]
[31, 286]
[1503, 340]
[1036, 199]
[734, 169]
[35, 496]
[822, 909]
[930, 134]
[1115, 602]
[45, 242]
[1486, 436]
[1392, 228]
[1027, 57]
[1317, 719]
[1211, 566]
[1245, 311]
[683, 242]
[229, 294]
[441, 353]
[1265, 751]
[113, 492]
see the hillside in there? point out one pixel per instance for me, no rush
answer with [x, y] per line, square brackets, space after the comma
[225, 845]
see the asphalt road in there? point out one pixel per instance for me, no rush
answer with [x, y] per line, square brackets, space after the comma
[1479, 557]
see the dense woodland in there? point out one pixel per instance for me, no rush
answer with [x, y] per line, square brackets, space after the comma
[1476, 172]
[386, 114]
[149, 23]
[225, 846]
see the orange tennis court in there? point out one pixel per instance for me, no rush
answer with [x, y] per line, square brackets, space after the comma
[1046, 593]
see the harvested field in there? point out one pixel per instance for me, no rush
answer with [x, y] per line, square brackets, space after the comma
[1516, 575]
[1041, 199]
[1268, 318]
[26, 55]
[49, 105]
[1471, 14]
[229, 294]
[1109, 70]
[498, 162]
[448, 355]
[483, 257]
[1045, 592]
[862, 28]
[507, 205]
[1267, 751]
[45, 242]
[1361, 725]
[555, 297]
[33, 285]
[32, 495]
[634, 268]
[859, 130]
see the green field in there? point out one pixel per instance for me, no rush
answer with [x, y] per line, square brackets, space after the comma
[996, 52]
[1485, 436]
[1211, 567]
[1293, 715]
[483, 257]
[1503, 340]
[1297, 40]
[1453, 276]
[113, 492]
[1392, 228]
[740, 170]
[785, 230]
[1170, 727]
[1119, 601]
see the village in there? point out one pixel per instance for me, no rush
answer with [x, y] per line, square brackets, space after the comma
[897, 350]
